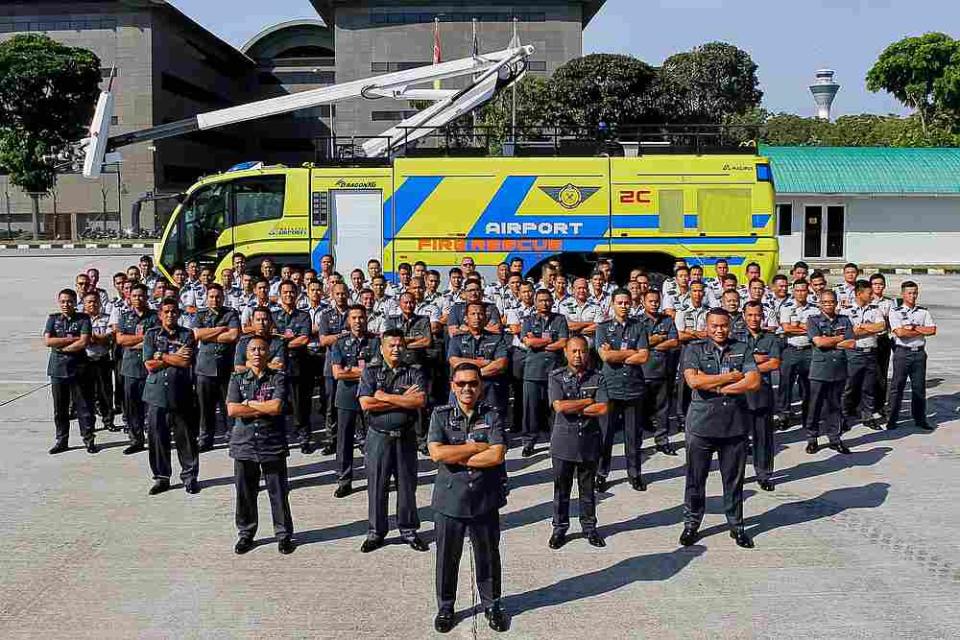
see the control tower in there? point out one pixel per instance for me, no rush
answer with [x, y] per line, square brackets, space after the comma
[824, 90]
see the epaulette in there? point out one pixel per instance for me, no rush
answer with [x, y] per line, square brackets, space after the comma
[558, 370]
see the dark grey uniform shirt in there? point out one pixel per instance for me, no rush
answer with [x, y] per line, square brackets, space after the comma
[765, 343]
[829, 365]
[459, 491]
[170, 387]
[712, 415]
[351, 351]
[378, 376]
[489, 346]
[538, 363]
[332, 323]
[661, 324]
[416, 327]
[575, 437]
[65, 365]
[132, 363]
[215, 359]
[298, 322]
[259, 439]
[458, 312]
[623, 381]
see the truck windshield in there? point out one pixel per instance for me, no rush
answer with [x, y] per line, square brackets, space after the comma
[199, 222]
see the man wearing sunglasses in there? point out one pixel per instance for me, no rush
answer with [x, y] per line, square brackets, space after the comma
[466, 439]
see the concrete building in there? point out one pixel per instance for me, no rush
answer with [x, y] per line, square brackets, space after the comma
[167, 67]
[873, 206]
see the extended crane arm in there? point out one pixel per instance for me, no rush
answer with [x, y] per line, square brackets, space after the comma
[391, 84]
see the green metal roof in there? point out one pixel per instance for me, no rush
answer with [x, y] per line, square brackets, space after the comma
[871, 170]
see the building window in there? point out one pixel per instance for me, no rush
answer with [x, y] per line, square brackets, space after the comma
[390, 67]
[298, 77]
[114, 120]
[259, 198]
[537, 66]
[385, 18]
[784, 219]
[106, 74]
[58, 24]
[391, 116]
[315, 113]
[182, 88]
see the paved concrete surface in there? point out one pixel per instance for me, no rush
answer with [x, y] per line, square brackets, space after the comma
[863, 546]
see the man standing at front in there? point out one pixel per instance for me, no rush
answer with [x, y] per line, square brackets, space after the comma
[624, 349]
[720, 371]
[831, 335]
[391, 393]
[466, 439]
[910, 325]
[168, 355]
[545, 335]
[216, 329]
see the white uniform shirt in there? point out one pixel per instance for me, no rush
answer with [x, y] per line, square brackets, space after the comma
[885, 305]
[100, 326]
[573, 311]
[904, 316]
[690, 318]
[869, 314]
[846, 295]
[516, 315]
[792, 313]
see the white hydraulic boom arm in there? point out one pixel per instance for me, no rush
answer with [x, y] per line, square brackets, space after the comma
[490, 72]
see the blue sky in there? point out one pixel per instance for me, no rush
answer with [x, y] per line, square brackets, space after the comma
[788, 39]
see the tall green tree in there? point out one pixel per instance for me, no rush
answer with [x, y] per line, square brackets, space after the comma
[608, 88]
[922, 72]
[708, 84]
[47, 95]
[535, 108]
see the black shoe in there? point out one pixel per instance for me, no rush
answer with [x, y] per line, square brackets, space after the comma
[443, 623]
[134, 448]
[601, 484]
[416, 543]
[811, 447]
[637, 484]
[748, 450]
[343, 490]
[689, 536]
[496, 618]
[243, 545]
[741, 538]
[60, 447]
[839, 447]
[159, 487]
[527, 450]
[204, 447]
[92, 447]
[286, 546]
[423, 449]
[891, 426]
[371, 544]
[307, 447]
[557, 540]
[111, 428]
[766, 485]
[328, 450]
[595, 539]
[926, 426]
[667, 449]
[192, 487]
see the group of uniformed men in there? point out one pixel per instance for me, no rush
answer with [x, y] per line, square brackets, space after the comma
[393, 367]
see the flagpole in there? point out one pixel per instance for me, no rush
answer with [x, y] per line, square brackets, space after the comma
[437, 51]
[513, 109]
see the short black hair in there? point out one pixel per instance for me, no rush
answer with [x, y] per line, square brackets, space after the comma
[753, 304]
[861, 284]
[357, 307]
[256, 338]
[265, 310]
[215, 285]
[851, 265]
[455, 270]
[719, 311]
[69, 292]
[146, 258]
[170, 301]
[878, 276]
[620, 291]
[779, 276]
[753, 264]
[141, 287]
[285, 283]
[393, 333]
[908, 284]
[723, 260]
[800, 264]
[465, 366]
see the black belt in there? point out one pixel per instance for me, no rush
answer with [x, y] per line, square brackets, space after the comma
[864, 349]
[803, 348]
[396, 433]
[906, 348]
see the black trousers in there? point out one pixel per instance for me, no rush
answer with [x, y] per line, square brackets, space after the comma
[76, 390]
[910, 365]
[794, 369]
[764, 449]
[536, 411]
[301, 395]
[516, 388]
[674, 380]
[861, 384]
[211, 395]
[656, 409]
[346, 432]
[732, 455]
[485, 539]
[134, 408]
[162, 422]
[563, 473]
[247, 479]
[386, 455]
[101, 383]
[330, 390]
[118, 396]
[625, 415]
[825, 401]
[884, 349]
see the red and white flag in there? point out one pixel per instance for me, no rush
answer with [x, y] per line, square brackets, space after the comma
[437, 49]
